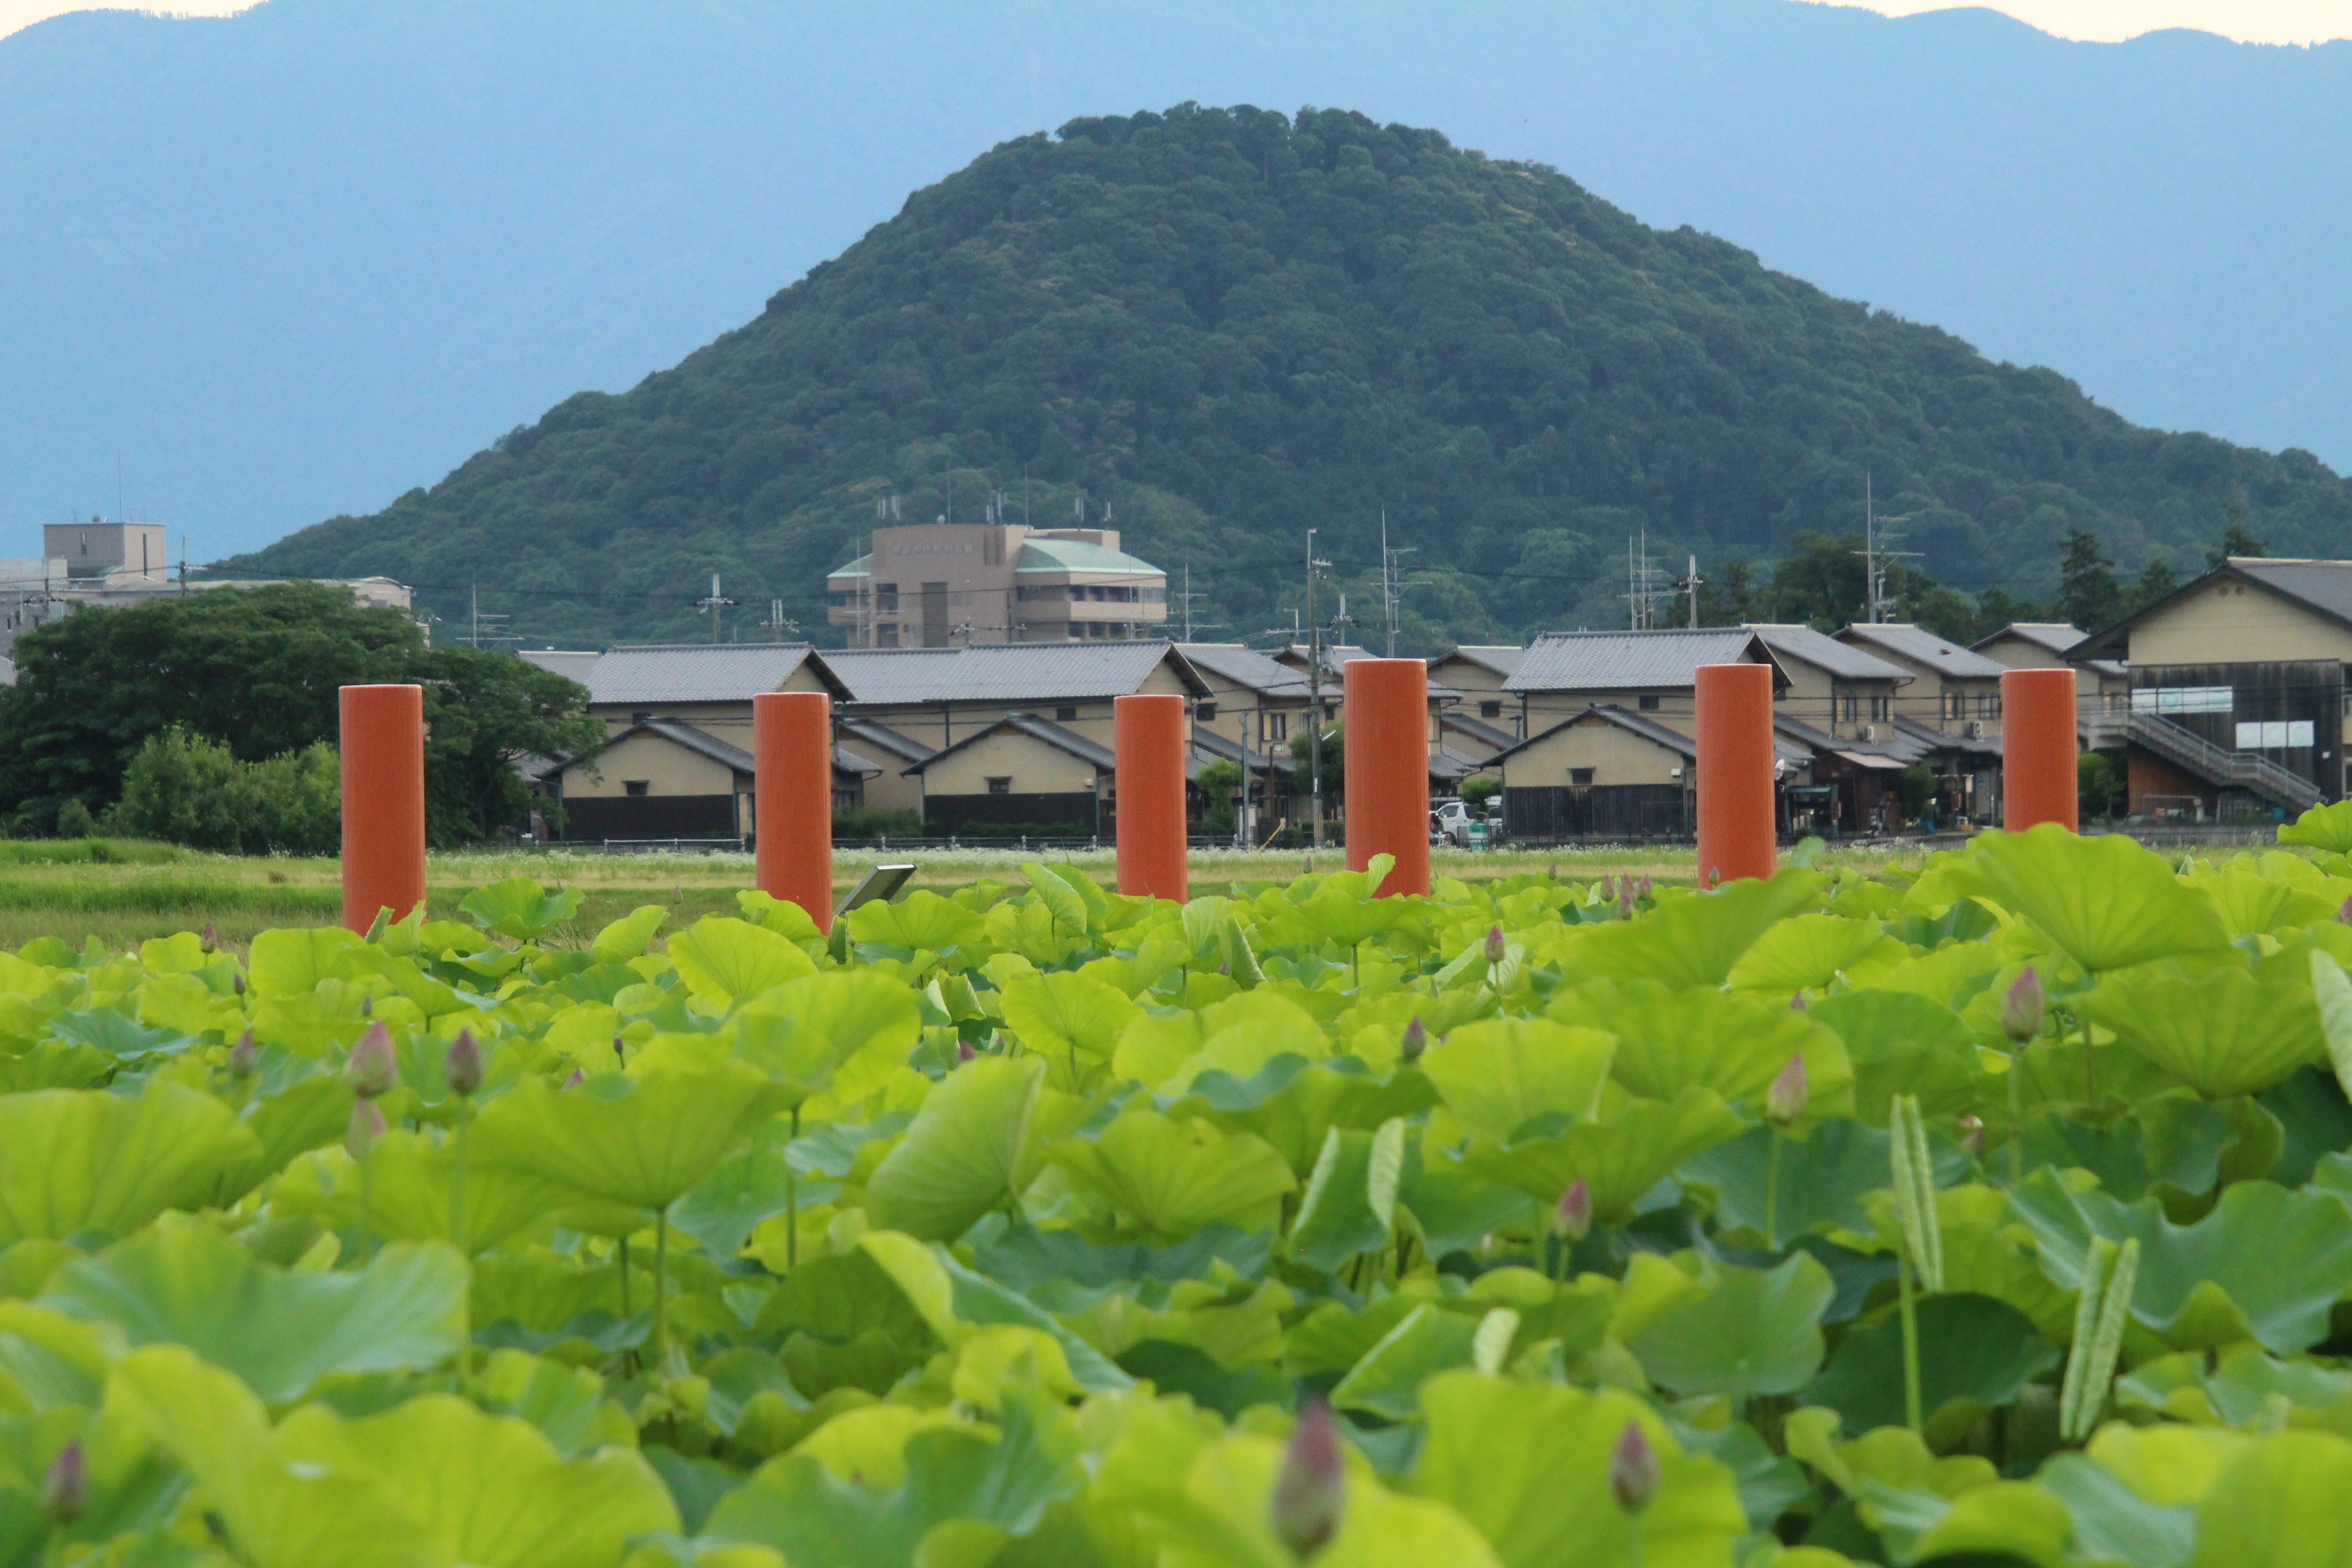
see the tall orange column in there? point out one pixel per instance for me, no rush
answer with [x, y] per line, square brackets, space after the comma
[382, 742]
[1388, 769]
[2038, 751]
[1147, 739]
[792, 798]
[1736, 820]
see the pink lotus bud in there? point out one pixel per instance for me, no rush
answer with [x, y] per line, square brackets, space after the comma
[1634, 1477]
[244, 1057]
[964, 1052]
[620, 1050]
[2344, 914]
[1972, 1136]
[1645, 893]
[1714, 876]
[65, 1490]
[367, 1006]
[208, 941]
[1495, 947]
[1607, 886]
[463, 1066]
[365, 1127]
[1571, 1217]
[576, 1080]
[1797, 1003]
[1415, 1041]
[1626, 900]
[1311, 1492]
[236, 983]
[373, 1068]
[1784, 1102]
[2020, 1010]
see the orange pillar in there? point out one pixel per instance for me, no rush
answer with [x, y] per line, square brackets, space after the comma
[1736, 820]
[382, 742]
[1387, 769]
[792, 798]
[2038, 750]
[1148, 737]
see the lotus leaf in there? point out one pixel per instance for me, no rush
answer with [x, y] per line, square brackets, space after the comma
[644, 1141]
[1974, 1353]
[1425, 1341]
[1498, 1074]
[1066, 1016]
[2284, 1503]
[2222, 1031]
[1693, 940]
[518, 907]
[1620, 1160]
[72, 1160]
[722, 959]
[1173, 1177]
[923, 922]
[957, 1162]
[2324, 828]
[1903, 1043]
[2105, 901]
[1668, 1041]
[1810, 953]
[1755, 1331]
[1349, 1205]
[412, 1195]
[846, 1033]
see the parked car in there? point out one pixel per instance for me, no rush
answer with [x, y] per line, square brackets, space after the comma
[1449, 822]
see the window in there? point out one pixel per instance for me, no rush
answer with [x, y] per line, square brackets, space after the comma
[2184, 699]
[887, 636]
[999, 786]
[885, 597]
[1649, 704]
[1276, 727]
[1204, 713]
[2274, 734]
[1955, 705]
[1988, 705]
[1065, 714]
[1851, 706]
[639, 718]
[1579, 775]
[1490, 711]
[638, 786]
[1880, 706]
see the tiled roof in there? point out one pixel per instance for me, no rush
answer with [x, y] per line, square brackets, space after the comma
[1501, 660]
[1053, 734]
[2323, 585]
[1005, 672]
[1648, 729]
[571, 665]
[700, 672]
[1078, 556]
[2055, 637]
[1923, 648]
[1478, 730]
[1825, 652]
[884, 738]
[1210, 745]
[1245, 667]
[1618, 661]
[694, 740]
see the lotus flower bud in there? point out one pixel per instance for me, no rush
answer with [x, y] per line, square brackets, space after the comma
[463, 1066]
[1495, 947]
[1571, 1217]
[1311, 1492]
[1784, 1102]
[1606, 887]
[365, 1127]
[65, 1490]
[2020, 1010]
[1797, 1003]
[1415, 1041]
[367, 1006]
[208, 941]
[244, 1057]
[964, 1052]
[1626, 900]
[1972, 1136]
[372, 1069]
[236, 983]
[1645, 893]
[576, 1080]
[2344, 914]
[620, 1050]
[1633, 1475]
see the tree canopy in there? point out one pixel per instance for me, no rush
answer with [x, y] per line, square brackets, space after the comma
[1220, 327]
[257, 671]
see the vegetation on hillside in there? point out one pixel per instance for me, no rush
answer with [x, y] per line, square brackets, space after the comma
[1223, 327]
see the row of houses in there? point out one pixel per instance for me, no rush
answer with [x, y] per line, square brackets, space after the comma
[2228, 697]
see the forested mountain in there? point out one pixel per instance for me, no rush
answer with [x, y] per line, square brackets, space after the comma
[1228, 326]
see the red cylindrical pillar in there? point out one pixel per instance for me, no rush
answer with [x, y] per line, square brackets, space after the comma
[1736, 820]
[2038, 751]
[382, 742]
[1148, 738]
[1388, 769]
[792, 798]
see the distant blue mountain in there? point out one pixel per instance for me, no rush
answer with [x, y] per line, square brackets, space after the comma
[296, 262]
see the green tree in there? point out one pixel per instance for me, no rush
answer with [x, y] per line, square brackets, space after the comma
[1821, 581]
[1915, 788]
[186, 789]
[1477, 792]
[2237, 538]
[1335, 760]
[2156, 582]
[1220, 783]
[2098, 785]
[2088, 591]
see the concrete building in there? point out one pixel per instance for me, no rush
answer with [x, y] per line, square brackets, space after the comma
[95, 548]
[947, 585]
[1477, 672]
[2102, 686]
[2237, 691]
[1952, 692]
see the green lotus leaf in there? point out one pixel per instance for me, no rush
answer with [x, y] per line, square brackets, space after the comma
[781, 916]
[953, 1301]
[280, 1330]
[629, 936]
[1349, 1205]
[520, 908]
[566, 1403]
[1691, 939]
[1668, 1041]
[1900, 1042]
[1621, 1159]
[841, 1031]
[412, 1195]
[726, 1207]
[1064, 1017]
[1755, 1331]
[1450, 1210]
[1060, 898]
[292, 963]
[117, 1033]
[1343, 911]
[923, 922]
[2327, 828]
[1529, 1465]
[2266, 1262]
[644, 1139]
[1499, 1074]
[1173, 1177]
[2222, 1031]
[722, 959]
[2108, 902]
[2285, 1502]
[2173, 1138]
[1810, 953]
[2254, 905]
[489, 1488]
[1975, 1354]
[1427, 1341]
[53, 1063]
[2005, 1522]
[1824, 1180]
[2112, 1523]
[1294, 1105]
[2244, 1386]
[77, 1160]
[1238, 1036]
[966, 1492]
[956, 1162]
[278, 1514]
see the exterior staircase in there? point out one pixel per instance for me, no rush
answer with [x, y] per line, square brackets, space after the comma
[2185, 749]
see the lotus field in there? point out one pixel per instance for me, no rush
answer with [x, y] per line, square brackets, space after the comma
[1993, 1210]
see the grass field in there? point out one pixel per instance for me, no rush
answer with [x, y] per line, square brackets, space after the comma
[123, 892]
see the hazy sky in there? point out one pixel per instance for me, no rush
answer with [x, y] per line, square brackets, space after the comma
[2248, 21]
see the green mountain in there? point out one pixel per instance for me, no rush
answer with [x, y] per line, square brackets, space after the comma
[1228, 326]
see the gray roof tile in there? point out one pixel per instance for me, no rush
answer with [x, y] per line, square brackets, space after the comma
[1825, 652]
[1923, 648]
[1619, 661]
[1005, 672]
[696, 672]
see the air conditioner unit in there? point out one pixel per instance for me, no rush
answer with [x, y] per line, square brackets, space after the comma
[1868, 733]
[1975, 729]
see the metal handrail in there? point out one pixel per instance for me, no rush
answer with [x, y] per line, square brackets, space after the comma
[2178, 744]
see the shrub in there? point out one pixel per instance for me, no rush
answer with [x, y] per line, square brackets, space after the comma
[185, 789]
[74, 820]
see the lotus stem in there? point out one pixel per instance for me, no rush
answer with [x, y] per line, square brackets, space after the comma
[2016, 1119]
[625, 1276]
[661, 1283]
[1772, 1195]
[458, 1230]
[367, 1196]
[1911, 1398]
[791, 1200]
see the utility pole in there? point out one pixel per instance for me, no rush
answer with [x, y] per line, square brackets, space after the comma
[1391, 592]
[1690, 584]
[474, 636]
[1875, 553]
[714, 604]
[1313, 693]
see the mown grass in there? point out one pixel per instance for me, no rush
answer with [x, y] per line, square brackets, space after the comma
[123, 892]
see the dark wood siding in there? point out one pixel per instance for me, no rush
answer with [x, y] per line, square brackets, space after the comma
[2305, 690]
[650, 817]
[1551, 812]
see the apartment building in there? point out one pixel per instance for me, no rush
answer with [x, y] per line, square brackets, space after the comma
[950, 584]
